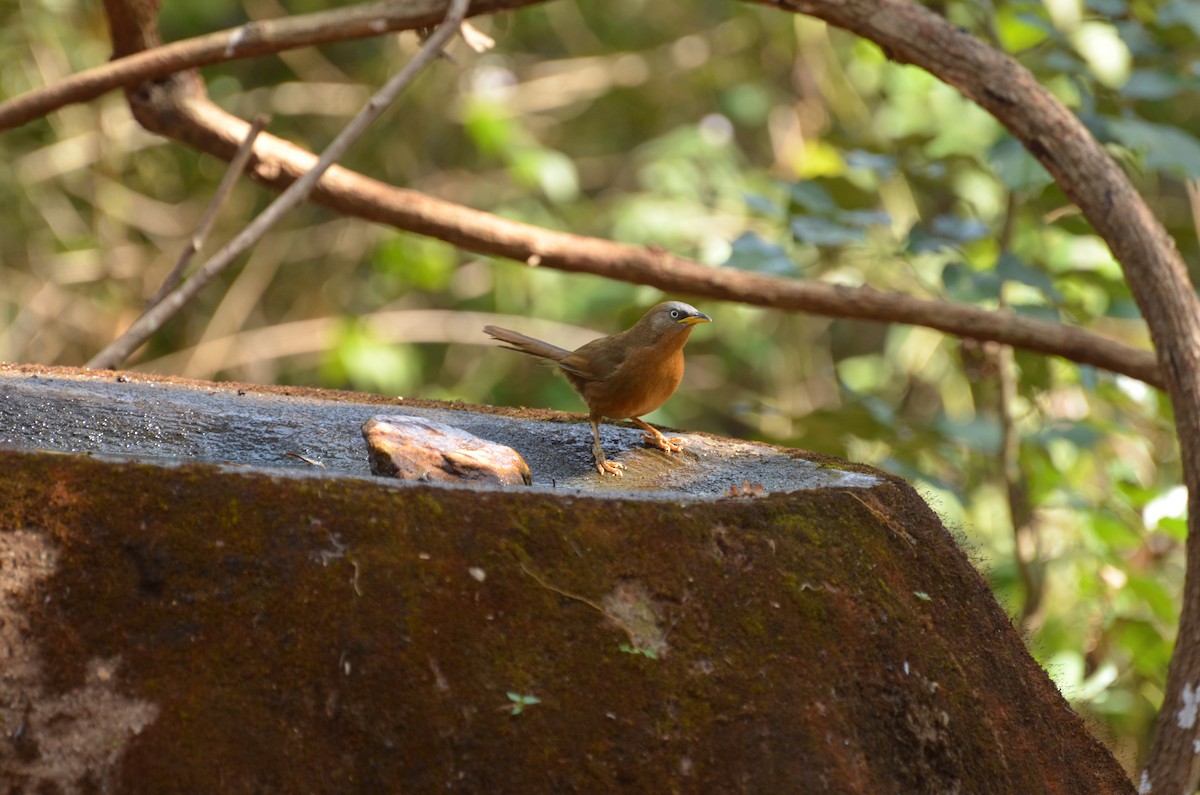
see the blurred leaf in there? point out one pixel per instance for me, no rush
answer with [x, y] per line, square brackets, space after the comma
[864, 218]
[863, 374]
[1176, 528]
[1050, 314]
[747, 102]
[551, 172]
[751, 253]
[882, 164]
[1125, 308]
[416, 261]
[1111, 8]
[489, 127]
[1019, 30]
[1011, 268]
[812, 196]
[1113, 533]
[966, 284]
[1148, 649]
[979, 433]
[764, 206]
[945, 231]
[957, 228]
[824, 232]
[361, 361]
[1079, 434]
[1153, 84]
[1160, 601]
[1181, 12]
[1016, 168]
[1165, 148]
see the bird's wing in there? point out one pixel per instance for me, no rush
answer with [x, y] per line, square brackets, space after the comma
[599, 359]
[577, 365]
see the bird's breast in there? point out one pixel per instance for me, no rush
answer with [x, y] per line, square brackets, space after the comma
[639, 386]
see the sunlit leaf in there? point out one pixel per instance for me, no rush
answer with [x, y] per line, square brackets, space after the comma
[1020, 30]
[1176, 528]
[489, 126]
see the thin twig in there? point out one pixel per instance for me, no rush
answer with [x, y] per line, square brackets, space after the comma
[1016, 485]
[236, 166]
[254, 39]
[297, 192]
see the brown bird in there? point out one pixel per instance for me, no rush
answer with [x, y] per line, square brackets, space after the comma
[623, 376]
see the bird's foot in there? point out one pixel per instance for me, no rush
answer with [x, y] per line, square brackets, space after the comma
[605, 467]
[663, 443]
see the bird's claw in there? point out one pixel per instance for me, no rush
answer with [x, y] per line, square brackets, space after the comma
[610, 468]
[663, 443]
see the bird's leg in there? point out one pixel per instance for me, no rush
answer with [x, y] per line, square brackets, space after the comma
[603, 465]
[655, 437]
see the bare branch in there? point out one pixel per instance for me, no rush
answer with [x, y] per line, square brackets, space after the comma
[196, 242]
[245, 41]
[154, 317]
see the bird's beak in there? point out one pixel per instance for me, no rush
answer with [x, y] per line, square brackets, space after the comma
[692, 320]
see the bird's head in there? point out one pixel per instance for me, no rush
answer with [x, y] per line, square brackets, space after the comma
[673, 317]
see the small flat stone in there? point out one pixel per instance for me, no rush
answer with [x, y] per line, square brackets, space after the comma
[413, 448]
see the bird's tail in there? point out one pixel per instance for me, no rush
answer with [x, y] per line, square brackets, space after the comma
[519, 342]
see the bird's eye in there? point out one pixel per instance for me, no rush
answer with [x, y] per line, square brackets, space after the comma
[674, 313]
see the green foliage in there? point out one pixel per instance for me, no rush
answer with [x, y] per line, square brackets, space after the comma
[725, 132]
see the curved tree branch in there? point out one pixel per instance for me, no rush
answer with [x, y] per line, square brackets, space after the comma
[245, 41]
[1153, 268]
